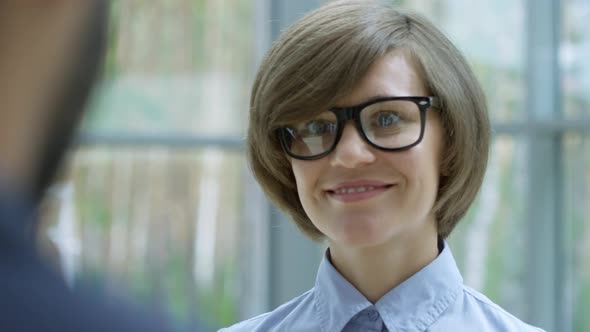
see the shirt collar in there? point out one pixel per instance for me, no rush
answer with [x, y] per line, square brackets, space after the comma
[413, 305]
[337, 299]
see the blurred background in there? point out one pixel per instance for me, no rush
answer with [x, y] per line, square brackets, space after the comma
[158, 199]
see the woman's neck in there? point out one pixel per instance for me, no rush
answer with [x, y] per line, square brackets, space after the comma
[376, 270]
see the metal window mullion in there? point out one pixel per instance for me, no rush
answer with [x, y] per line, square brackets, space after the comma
[550, 126]
[293, 258]
[255, 243]
[544, 170]
[237, 143]
[88, 139]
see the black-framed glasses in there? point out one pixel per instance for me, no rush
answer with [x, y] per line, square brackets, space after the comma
[388, 124]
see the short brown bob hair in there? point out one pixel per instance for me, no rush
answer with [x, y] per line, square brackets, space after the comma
[321, 58]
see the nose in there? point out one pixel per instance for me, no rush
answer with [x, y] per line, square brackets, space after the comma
[351, 151]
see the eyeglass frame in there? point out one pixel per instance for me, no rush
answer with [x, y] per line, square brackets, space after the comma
[344, 114]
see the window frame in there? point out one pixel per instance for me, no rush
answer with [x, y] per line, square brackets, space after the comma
[286, 261]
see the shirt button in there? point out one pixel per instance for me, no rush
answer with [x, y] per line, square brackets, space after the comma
[373, 315]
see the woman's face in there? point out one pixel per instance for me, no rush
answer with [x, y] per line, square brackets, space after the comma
[360, 196]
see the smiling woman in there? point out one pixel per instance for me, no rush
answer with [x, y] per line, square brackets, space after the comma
[369, 129]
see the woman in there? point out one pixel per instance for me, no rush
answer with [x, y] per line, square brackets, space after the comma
[370, 130]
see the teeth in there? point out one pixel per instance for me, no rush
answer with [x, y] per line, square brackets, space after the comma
[362, 189]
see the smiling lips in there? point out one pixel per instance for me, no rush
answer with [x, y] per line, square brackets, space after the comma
[350, 192]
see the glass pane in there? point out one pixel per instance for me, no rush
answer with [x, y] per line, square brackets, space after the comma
[162, 223]
[574, 55]
[498, 60]
[577, 231]
[489, 244]
[176, 66]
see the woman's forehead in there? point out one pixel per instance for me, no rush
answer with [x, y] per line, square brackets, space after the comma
[392, 75]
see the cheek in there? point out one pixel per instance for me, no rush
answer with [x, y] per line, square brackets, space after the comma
[305, 177]
[419, 167]
[298, 172]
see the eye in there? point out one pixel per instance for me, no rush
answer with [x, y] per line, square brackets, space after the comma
[386, 119]
[319, 128]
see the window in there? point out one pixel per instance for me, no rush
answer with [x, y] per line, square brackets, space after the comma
[574, 53]
[159, 197]
[154, 198]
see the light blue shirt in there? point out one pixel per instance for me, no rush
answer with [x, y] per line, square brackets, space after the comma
[434, 299]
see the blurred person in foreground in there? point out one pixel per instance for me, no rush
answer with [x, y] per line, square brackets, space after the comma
[370, 130]
[50, 53]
